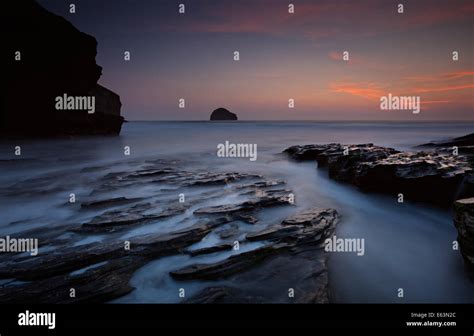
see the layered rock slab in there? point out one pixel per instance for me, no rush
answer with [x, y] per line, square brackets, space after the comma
[464, 222]
[434, 176]
[292, 252]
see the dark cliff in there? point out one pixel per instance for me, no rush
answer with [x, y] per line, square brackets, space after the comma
[55, 59]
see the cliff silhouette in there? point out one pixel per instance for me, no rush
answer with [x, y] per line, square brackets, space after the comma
[45, 56]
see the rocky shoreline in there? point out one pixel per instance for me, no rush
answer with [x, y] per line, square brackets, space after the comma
[442, 175]
[101, 271]
[220, 228]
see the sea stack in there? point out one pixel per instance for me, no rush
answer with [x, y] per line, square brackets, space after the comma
[223, 114]
[46, 57]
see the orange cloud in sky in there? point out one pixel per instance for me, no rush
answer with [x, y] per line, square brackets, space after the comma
[436, 13]
[335, 56]
[442, 77]
[430, 102]
[444, 88]
[365, 90]
[409, 86]
[460, 74]
[261, 18]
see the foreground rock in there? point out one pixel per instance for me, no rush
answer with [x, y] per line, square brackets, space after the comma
[209, 250]
[112, 221]
[435, 177]
[109, 202]
[305, 273]
[222, 294]
[223, 114]
[309, 226]
[339, 156]
[464, 222]
[74, 258]
[98, 271]
[297, 241]
[263, 199]
[426, 176]
[95, 285]
[97, 256]
[464, 143]
[227, 267]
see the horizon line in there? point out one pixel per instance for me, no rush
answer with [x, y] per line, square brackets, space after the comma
[302, 120]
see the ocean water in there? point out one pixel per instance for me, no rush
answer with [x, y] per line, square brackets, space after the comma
[407, 245]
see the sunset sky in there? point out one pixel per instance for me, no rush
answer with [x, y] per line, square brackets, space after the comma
[282, 56]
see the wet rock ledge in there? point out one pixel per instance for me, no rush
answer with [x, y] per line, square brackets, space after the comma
[437, 176]
[464, 222]
[274, 255]
[292, 258]
[442, 174]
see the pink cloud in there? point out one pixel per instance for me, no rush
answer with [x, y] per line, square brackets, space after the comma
[324, 19]
[444, 88]
[370, 91]
[335, 56]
